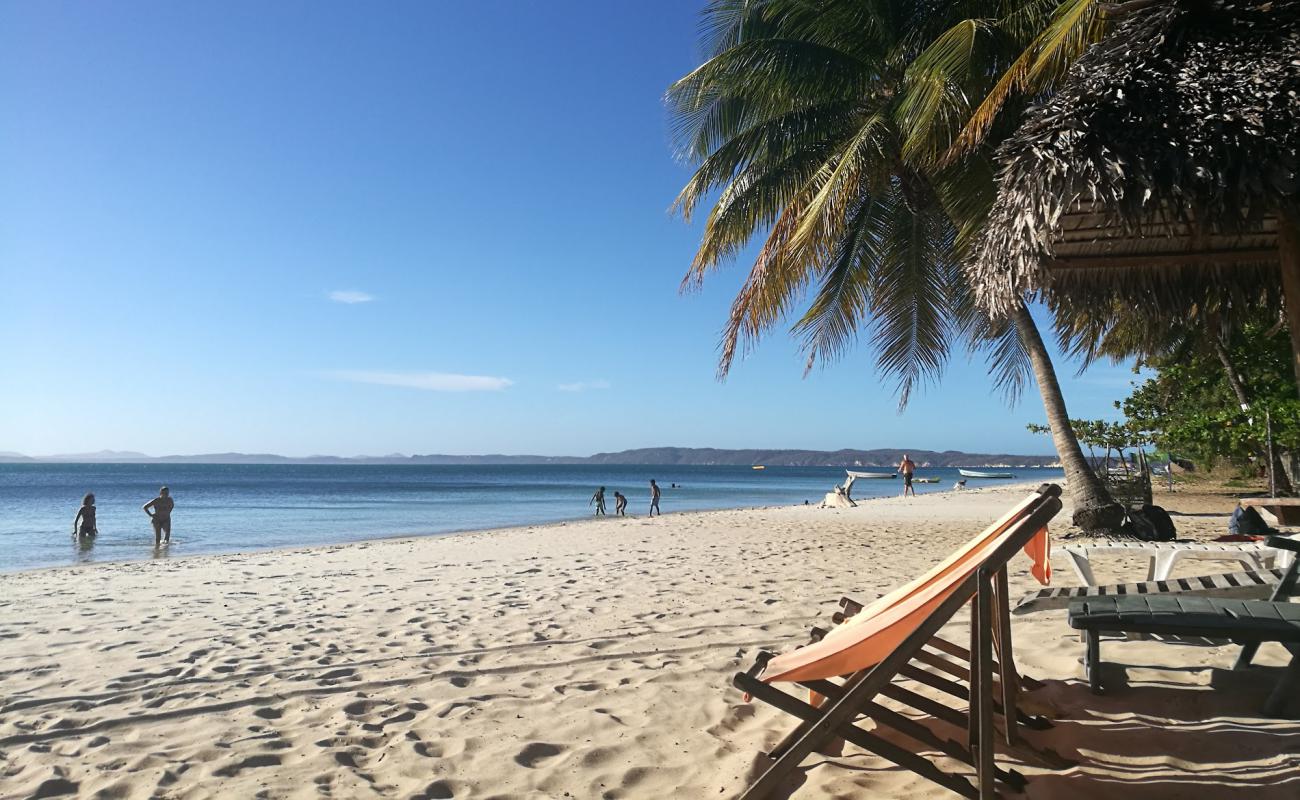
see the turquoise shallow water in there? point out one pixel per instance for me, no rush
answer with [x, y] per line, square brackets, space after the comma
[229, 508]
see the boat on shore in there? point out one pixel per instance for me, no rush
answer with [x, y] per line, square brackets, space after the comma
[876, 475]
[970, 473]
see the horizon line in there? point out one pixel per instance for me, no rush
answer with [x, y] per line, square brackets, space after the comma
[121, 456]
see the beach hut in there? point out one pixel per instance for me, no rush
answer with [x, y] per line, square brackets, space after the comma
[1162, 172]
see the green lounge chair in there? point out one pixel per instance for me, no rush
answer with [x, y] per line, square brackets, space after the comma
[1245, 622]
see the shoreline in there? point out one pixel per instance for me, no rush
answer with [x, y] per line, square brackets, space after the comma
[405, 537]
[594, 661]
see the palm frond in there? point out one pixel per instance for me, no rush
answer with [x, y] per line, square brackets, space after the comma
[843, 300]
[763, 146]
[726, 23]
[756, 81]
[752, 202]
[1004, 351]
[764, 299]
[1071, 28]
[839, 183]
[934, 101]
[909, 301]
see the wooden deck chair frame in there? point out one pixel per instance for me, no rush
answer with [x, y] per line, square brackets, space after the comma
[986, 591]
[1286, 587]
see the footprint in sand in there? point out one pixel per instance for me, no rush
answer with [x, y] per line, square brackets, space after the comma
[56, 787]
[376, 727]
[337, 674]
[364, 706]
[427, 749]
[438, 790]
[536, 752]
[345, 759]
[264, 760]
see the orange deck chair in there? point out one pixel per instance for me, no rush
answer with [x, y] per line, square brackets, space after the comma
[875, 645]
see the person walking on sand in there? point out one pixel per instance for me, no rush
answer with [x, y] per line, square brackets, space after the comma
[654, 498]
[84, 523]
[620, 504]
[907, 467]
[599, 500]
[159, 510]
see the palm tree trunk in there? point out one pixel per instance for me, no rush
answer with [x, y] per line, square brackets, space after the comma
[1093, 507]
[1274, 461]
[1229, 369]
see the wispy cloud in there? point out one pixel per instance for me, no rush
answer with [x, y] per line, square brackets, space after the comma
[583, 386]
[350, 296]
[428, 381]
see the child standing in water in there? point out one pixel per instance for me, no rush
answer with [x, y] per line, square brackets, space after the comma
[84, 523]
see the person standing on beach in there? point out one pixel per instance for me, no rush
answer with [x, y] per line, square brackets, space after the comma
[654, 498]
[159, 510]
[599, 500]
[907, 467]
[620, 504]
[84, 523]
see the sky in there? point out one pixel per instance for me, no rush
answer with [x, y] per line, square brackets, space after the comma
[416, 227]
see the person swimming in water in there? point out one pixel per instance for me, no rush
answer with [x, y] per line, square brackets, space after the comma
[159, 510]
[84, 523]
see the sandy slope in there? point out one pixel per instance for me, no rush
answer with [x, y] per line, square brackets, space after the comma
[589, 660]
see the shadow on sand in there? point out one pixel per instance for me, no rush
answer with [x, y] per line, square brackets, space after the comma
[1164, 739]
[1153, 740]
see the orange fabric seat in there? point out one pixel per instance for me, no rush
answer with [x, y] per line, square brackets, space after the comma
[867, 637]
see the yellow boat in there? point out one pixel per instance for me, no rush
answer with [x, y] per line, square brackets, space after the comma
[758, 466]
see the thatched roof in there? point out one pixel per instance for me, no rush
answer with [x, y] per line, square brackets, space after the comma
[1160, 163]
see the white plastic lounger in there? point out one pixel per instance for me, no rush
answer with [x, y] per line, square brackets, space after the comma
[1164, 555]
[1246, 585]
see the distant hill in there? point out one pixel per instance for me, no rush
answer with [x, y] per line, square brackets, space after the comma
[698, 456]
[883, 457]
[111, 456]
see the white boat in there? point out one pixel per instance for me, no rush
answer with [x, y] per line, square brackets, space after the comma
[853, 474]
[970, 473]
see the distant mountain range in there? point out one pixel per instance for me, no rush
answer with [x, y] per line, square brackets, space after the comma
[701, 456]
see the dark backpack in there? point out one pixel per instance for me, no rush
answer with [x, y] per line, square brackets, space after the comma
[1246, 521]
[1150, 524]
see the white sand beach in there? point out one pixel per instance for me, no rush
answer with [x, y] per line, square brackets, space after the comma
[586, 660]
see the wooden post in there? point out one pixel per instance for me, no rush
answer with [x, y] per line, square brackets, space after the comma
[1010, 678]
[1288, 241]
[973, 713]
[982, 671]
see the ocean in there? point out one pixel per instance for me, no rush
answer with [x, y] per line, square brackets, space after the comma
[224, 508]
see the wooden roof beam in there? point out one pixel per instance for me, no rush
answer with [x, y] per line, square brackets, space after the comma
[1120, 260]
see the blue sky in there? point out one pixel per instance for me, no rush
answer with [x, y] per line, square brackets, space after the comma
[413, 227]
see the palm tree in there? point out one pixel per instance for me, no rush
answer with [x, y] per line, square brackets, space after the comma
[816, 125]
